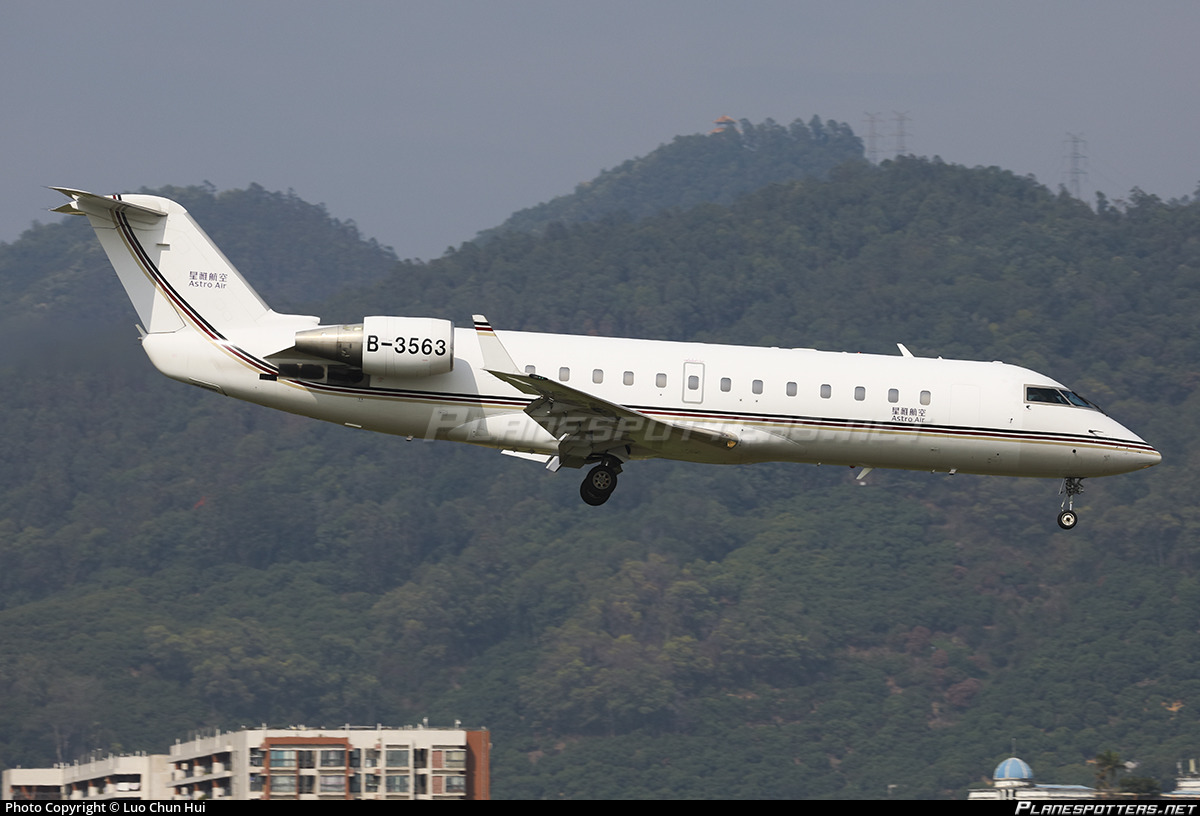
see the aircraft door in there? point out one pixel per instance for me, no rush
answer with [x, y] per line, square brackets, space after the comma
[693, 382]
[964, 405]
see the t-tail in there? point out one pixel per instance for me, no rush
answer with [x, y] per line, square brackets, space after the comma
[174, 274]
[195, 309]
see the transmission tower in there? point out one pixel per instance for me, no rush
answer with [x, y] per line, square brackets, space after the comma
[901, 134]
[873, 119]
[1077, 158]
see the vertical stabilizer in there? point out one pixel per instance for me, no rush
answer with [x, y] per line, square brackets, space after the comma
[173, 273]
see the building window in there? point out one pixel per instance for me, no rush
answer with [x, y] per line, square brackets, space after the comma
[726, 384]
[860, 393]
[283, 784]
[333, 759]
[397, 757]
[283, 758]
[756, 386]
[660, 380]
[333, 784]
[397, 783]
[456, 784]
[826, 391]
[893, 395]
[564, 374]
[627, 378]
[456, 758]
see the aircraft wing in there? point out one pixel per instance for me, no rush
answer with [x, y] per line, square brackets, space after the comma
[585, 424]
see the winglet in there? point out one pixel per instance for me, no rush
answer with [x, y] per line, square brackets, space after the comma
[495, 356]
[904, 352]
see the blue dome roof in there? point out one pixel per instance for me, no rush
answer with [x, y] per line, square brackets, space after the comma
[1013, 769]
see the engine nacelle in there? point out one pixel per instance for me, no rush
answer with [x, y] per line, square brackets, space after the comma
[407, 346]
[385, 346]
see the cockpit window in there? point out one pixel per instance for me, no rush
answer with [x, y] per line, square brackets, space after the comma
[1056, 396]
[1082, 402]
[1052, 395]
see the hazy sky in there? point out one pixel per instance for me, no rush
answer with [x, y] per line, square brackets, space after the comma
[425, 122]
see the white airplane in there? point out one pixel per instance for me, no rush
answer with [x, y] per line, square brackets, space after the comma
[574, 401]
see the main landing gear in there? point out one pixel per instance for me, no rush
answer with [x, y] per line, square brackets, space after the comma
[1072, 486]
[600, 481]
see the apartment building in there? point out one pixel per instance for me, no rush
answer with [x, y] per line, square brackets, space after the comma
[352, 762]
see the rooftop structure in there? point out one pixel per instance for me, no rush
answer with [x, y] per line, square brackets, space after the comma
[1013, 779]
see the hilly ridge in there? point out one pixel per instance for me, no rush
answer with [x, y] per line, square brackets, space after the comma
[734, 159]
[170, 559]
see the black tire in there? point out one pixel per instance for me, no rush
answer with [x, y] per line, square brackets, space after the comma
[590, 496]
[1067, 519]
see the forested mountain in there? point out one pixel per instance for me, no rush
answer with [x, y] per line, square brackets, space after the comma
[170, 559]
[717, 167]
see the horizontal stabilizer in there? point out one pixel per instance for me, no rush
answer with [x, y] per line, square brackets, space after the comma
[84, 203]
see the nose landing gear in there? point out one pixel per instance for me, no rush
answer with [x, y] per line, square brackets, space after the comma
[1072, 486]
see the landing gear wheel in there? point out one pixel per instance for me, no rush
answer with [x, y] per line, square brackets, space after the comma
[1072, 486]
[598, 485]
[602, 479]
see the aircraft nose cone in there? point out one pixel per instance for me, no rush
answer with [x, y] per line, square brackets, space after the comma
[1139, 454]
[1149, 457]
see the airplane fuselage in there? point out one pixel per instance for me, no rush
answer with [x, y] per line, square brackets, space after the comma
[793, 405]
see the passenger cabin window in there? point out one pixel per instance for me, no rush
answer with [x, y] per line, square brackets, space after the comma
[826, 391]
[660, 380]
[627, 378]
[860, 393]
[726, 384]
[893, 395]
[597, 375]
[564, 374]
[791, 389]
[756, 386]
[531, 369]
[925, 396]
[693, 383]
